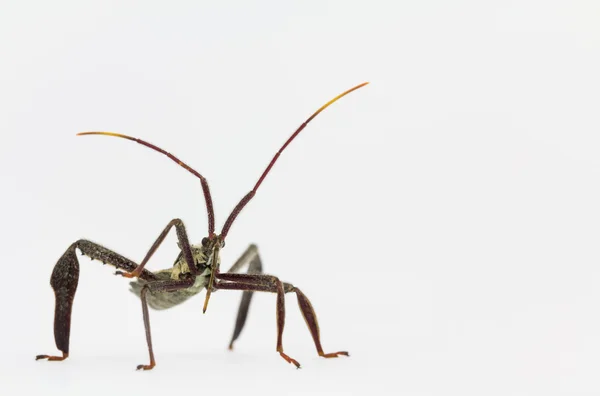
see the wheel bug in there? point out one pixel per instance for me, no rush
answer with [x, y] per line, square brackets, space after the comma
[195, 268]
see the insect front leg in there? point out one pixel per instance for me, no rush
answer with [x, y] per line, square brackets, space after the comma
[64, 280]
[183, 242]
[159, 286]
[252, 259]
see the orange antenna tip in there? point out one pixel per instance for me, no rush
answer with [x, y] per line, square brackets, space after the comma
[107, 134]
[332, 101]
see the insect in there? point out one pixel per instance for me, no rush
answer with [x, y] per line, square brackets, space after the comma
[197, 267]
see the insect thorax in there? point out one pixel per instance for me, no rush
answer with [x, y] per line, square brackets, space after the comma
[181, 266]
[164, 300]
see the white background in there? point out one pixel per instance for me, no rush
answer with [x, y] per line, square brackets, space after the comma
[444, 220]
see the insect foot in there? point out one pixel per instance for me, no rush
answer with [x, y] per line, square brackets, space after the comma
[52, 358]
[334, 354]
[289, 359]
[145, 367]
[124, 274]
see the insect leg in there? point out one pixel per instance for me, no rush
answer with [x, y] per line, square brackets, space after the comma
[308, 312]
[267, 283]
[184, 244]
[159, 286]
[252, 259]
[64, 280]
[310, 317]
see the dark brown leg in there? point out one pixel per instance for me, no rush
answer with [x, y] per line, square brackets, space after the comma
[183, 242]
[161, 286]
[310, 317]
[269, 283]
[272, 285]
[252, 259]
[64, 280]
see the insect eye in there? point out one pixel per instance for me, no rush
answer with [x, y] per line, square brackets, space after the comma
[222, 244]
[204, 241]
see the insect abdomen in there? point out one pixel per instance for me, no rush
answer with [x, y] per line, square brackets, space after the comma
[164, 300]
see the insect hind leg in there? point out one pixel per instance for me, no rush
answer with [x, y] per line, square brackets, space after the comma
[310, 317]
[64, 280]
[268, 283]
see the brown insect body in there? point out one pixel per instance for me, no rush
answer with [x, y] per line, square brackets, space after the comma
[196, 268]
[179, 271]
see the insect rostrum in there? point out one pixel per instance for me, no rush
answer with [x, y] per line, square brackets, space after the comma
[197, 267]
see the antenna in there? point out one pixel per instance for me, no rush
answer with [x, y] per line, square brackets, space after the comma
[244, 201]
[203, 182]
